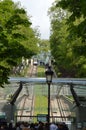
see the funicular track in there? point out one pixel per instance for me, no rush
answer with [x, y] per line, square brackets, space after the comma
[25, 108]
[26, 105]
[56, 110]
[59, 110]
[32, 71]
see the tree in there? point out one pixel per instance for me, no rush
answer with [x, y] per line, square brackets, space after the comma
[77, 9]
[44, 45]
[17, 38]
[67, 47]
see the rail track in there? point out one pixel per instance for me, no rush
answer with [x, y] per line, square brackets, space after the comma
[25, 110]
[59, 110]
[26, 104]
[32, 71]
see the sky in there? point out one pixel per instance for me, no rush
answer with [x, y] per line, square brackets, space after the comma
[38, 10]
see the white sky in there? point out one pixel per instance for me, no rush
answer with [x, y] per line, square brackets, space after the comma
[38, 9]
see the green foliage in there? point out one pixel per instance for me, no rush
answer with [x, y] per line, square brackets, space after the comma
[44, 45]
[77, 10]
[17, 38]
[67, 39]
[3, 75]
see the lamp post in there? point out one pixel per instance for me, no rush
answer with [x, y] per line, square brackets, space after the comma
[49, 75]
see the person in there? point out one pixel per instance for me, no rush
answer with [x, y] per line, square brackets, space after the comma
[62, 126]
[11, 125]
[65, 126]
[40, 126]
[18, 126]
[26, 126]
[3, 127]
[53, 126]
[84, 128]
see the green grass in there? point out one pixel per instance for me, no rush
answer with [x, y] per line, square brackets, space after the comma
[40, 71]
[40, 106]
[40, 103]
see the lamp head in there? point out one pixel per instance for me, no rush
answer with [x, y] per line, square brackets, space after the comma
[49, 75]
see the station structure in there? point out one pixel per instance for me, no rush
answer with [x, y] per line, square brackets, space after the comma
[77, 87]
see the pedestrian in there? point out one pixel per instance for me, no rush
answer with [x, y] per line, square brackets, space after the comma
[18, 126]
[40, 126]
[53, 126]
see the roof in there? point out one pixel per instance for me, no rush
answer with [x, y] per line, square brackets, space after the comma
[75, 81]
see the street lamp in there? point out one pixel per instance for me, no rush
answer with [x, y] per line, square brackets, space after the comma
[49, 75]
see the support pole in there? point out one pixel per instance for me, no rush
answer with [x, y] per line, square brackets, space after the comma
[13, 100]
[48, 103]
[16, 94]
[74, 95]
